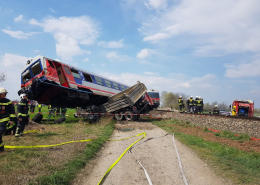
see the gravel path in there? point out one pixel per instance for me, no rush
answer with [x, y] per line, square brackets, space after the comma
[158, 156]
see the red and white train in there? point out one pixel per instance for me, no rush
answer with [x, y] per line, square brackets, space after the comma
[49, 81]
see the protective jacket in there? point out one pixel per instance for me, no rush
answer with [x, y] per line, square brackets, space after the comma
[7, 112]
[180, 101]
[191, 102]
[199, 103]
[23, 108]
[216, 111]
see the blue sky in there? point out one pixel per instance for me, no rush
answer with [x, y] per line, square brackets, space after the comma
[201, 48]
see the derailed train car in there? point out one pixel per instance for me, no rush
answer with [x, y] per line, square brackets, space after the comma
[53, 82]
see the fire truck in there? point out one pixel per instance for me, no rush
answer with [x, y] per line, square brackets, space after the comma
[243, 108]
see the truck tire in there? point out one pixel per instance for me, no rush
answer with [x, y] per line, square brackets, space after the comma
[60, 120]
[129, 116]
[119, 117]
[37, 118]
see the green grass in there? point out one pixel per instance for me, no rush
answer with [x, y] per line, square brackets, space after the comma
[69, 171]
[240, 166]
[55, 165]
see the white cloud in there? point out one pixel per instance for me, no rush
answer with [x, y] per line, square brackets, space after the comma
[112, 44]
[150, 73]
[69, 33]
[155, 4]
[143, 54]
[13, 64]
[53, 11]
[210, 27]
[85, 60]
[19, 34]
[19, 18]
[243, 69]
[111, 55]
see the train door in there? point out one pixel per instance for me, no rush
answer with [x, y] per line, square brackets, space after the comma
[62, 78]
[69, 77]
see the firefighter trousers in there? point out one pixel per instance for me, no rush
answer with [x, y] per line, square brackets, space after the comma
[21, 125]
[2, 130]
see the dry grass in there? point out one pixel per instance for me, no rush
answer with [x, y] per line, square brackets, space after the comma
[21, 166]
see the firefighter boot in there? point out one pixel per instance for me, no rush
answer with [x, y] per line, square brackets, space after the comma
[2, 147]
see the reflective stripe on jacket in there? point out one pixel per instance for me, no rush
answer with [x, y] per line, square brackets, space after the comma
[7, 109]
[23, 108]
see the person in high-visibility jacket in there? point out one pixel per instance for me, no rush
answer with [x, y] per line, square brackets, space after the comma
[191, 103]
[40, 107]
[7, 115]
[181, 104]
[23, 116]
[199, 105]
[234, 111]
[188, 104]
[216, 110]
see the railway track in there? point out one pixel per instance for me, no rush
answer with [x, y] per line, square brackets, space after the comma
[211, 115]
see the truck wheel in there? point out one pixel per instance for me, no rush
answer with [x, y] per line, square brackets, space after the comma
[37, 118]
[129, 116]
[119, 117]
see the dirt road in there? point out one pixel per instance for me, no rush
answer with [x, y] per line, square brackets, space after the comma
[158, 156]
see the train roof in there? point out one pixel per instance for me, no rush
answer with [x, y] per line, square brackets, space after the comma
[152, 90]
[71, 66]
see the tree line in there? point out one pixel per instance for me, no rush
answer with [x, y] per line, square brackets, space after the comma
[170, 99]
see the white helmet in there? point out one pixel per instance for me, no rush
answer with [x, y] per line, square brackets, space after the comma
[199, 97]
[180, 96]
[3, 91]
[191, 96]
[216, 105]
[23, 95]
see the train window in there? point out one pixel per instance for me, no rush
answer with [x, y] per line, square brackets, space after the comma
[75, 73]
[87, 77]
[67, 70]
[108, 83]
[51, 64]
[122, 87]
[36, 68]
[99, 80]
[26, 76]
[116, 86]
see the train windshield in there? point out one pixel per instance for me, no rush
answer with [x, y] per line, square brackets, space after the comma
[36, 68]
[26, 76]
[31, 71]
[153, 95]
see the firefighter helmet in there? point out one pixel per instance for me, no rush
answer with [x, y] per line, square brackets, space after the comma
[180, 96]
[216, 106]
[23, 95]
[3, 91]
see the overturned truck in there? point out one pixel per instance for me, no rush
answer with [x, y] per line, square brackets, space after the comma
[128, 105]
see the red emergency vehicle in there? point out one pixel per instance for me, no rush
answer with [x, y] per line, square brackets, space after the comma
[243, 108]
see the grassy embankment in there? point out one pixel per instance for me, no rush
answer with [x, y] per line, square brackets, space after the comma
[55, 165]
[239, 166]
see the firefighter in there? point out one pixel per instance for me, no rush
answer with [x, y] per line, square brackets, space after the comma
[7, 115]
[23, 116]
[50, 112]
[188, 105]
[216, 110]
[181, 104]
[199, 105]
[234, 111]
[40, 107]
[191, 104]
[196, 104]
[32, 107]
[63, 112]
[58, 111]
